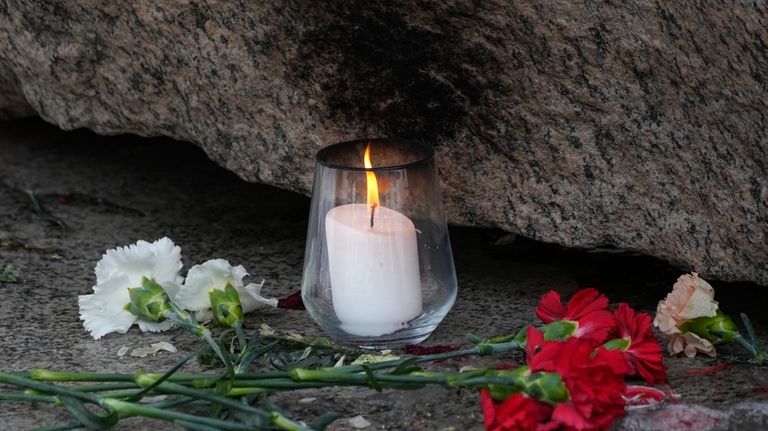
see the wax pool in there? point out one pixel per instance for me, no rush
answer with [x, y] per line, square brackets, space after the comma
[375, 282]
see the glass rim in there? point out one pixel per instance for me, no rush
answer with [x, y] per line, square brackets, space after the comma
[321, 155]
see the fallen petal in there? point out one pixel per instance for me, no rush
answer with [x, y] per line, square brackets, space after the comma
[143, 352]
[358, 422]
[708, 371]
[291, 302]
[643, 396]
[416, 350]
[266, 330]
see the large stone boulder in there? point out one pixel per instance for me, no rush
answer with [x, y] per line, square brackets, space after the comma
[637, 124]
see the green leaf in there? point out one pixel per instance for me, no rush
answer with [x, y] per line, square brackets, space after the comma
[373, 382]
[617, 344]
[11, 274]
[44, 213]
[161, 379]
[522, 335]
[406, 367]
[559, 330]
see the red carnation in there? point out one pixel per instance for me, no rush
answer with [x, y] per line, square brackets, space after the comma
[516, 413]
[594, 379]
[642, 352]
[587, 308]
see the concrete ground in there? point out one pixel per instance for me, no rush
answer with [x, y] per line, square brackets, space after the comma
[112, 191]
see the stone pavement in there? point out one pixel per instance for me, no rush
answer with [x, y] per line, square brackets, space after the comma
[112, 191]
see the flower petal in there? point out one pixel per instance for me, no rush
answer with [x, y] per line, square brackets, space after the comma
[104, 311]
[253, 299]
[171, 288]
[691, 297]
[701, 302]
[643, 396]
[204, 316]
[550, 308]
[596, 325]
[643, 352]
[690, 343]
[586, 301]
[160, 260]
[155, 326]
[201, 279]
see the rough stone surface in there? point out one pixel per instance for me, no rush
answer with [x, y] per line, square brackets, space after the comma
[636, 124]
[114, 191]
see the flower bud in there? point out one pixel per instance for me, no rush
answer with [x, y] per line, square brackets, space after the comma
[716, 329]
[516, 377]
[226, 307]
[148, 302]
[548, 387]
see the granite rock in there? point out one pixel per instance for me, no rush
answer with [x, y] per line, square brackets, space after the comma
[640, 125]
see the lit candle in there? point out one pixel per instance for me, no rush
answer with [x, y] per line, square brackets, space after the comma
[374, 265]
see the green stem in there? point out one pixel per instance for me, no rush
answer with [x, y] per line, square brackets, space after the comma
[746, 344]
[125, 393]
[188, 322]
[108, 387]
[72, 376]
[274, 384]
[330, 376]
[208, 379]
[20, 396]
[176, 389]
[405, 381]
[241, 338]
[169, 415]
[126, 408]
[757, 353]
[78, 425]
[250, 387]
[241, 392]
[284, 423]
[758, 349]
[47, 388]
[216, 349]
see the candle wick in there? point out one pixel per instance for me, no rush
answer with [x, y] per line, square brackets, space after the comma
[373, 210]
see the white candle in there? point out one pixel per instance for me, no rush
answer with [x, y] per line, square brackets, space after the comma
[375, 282]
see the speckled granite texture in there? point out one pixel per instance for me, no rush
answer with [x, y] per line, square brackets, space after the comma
[114, 191]
[636, 124]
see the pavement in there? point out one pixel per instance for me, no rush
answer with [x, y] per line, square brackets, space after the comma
[105, 192]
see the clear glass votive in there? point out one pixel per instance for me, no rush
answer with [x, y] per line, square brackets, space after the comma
[378, 267]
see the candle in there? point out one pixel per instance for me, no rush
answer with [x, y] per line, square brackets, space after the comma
[373, 264]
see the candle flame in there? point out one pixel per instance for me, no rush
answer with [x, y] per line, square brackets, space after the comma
[373, 186]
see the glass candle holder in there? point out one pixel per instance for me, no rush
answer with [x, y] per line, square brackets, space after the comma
[378, 267]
